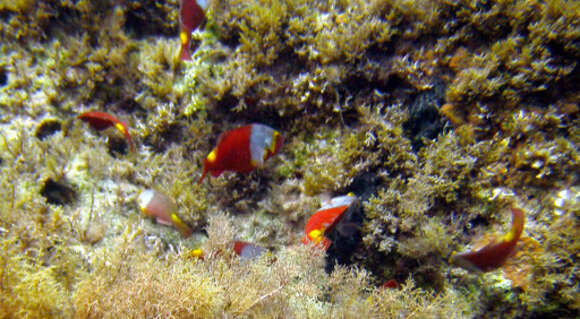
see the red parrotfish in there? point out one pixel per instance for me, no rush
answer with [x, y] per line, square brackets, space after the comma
[242, 150]
[248, 250]
[495, 254]
[191, 15]
[101, 121]
[391, 283]
[325, 219]
[243, 249]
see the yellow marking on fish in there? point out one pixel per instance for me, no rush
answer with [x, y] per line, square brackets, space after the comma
[315, 235]
[273, 144]
[177, 221]
[183, 37]
[509, 236]
[212, 156]
[121, 128]
[198, 253]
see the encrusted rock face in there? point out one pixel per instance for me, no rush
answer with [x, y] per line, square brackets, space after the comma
[439, 116]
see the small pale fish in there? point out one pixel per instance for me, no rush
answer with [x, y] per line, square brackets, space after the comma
[159, 206]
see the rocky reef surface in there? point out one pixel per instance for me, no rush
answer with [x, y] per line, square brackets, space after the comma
[438, 115]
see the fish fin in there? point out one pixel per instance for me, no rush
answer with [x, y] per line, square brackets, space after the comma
[122, 127]
[184, 54]
[517, 225]
[162, 221]
[204, 173]
[181, 226]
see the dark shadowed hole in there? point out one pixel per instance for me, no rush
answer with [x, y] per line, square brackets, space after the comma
[129, 105]
[3, 77]
[165, 136]
[47, 128]
[424, 121]
[117, 146]
[57, 193]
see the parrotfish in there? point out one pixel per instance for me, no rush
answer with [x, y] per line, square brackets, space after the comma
[325, 219]
[495, 254]
[156, 204]
[391, 283]
[245, 250]
[101, 121]
[191, 15]
[248, 250]
[242, 150]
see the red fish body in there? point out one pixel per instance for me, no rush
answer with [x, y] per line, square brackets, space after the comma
[495, 254]
[242, 150]
[325, 219]
[101, 121]
[391, 283]
[191, 15]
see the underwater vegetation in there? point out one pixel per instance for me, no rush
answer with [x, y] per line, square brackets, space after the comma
[435, 117]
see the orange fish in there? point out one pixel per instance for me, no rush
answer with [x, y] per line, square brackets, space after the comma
[325, 219]
[495, 254]
[242, 150]
[101, 120]
[191, 15]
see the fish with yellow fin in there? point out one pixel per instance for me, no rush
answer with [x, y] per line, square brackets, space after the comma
[158, 205]
[495, 254]
[325, 219]
[191, 15]
[242, 150]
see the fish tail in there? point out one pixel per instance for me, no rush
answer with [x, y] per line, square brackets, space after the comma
[202, 175]
[184, 54]
[517, 225]
[181, 226]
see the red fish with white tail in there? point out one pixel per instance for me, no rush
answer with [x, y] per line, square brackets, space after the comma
[242, 150]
